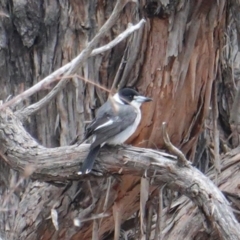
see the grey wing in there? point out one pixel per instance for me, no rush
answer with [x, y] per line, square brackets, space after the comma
[102, 116]
[123, 117]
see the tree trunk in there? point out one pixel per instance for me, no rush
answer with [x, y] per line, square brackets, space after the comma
[180, 58]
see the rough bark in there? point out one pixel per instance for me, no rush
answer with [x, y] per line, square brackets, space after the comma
[174, 59]
[21, 151]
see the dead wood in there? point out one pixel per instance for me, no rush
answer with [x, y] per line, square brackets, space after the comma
[61, 164]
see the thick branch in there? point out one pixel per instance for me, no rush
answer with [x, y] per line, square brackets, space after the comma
[21, 150]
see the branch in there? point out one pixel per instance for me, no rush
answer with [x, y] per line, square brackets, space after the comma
[182, 161]
[131, 28]
[62, 163]
[43, 102]
[71, 67]
[215, 114]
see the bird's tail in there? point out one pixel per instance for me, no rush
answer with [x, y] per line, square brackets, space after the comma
[89, 161]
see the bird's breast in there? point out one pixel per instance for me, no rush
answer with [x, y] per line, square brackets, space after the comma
[127, 133]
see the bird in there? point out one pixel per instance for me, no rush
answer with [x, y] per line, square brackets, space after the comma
[116, 120]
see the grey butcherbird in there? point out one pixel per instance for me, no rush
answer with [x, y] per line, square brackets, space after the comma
[116, 120]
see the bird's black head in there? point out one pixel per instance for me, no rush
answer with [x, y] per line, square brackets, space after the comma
[129, 95]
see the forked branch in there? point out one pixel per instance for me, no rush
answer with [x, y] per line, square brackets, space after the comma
[61, 163]
[71, 67]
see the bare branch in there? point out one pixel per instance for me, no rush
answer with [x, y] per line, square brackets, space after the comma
[71, 67]
[62, 163]
[117, 215]
[217, 163]
[159, 222]
[182, 161]
[131, 28]
[144, 192]
[24, 113]
[95, 230]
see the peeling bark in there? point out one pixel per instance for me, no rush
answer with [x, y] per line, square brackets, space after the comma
[175, 59]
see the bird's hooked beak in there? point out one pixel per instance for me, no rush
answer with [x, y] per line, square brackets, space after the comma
[142, 99]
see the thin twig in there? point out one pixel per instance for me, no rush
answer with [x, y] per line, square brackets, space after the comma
[68, 69]
[105, 205]
[160, 211]
[144, 193]
[23, 113]
[217, 163]
[95, 228]
[182, 161]
[107, 194]
[117, 215]
[90, 189]
[159, 222]
[149, 222]
[131, 28]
